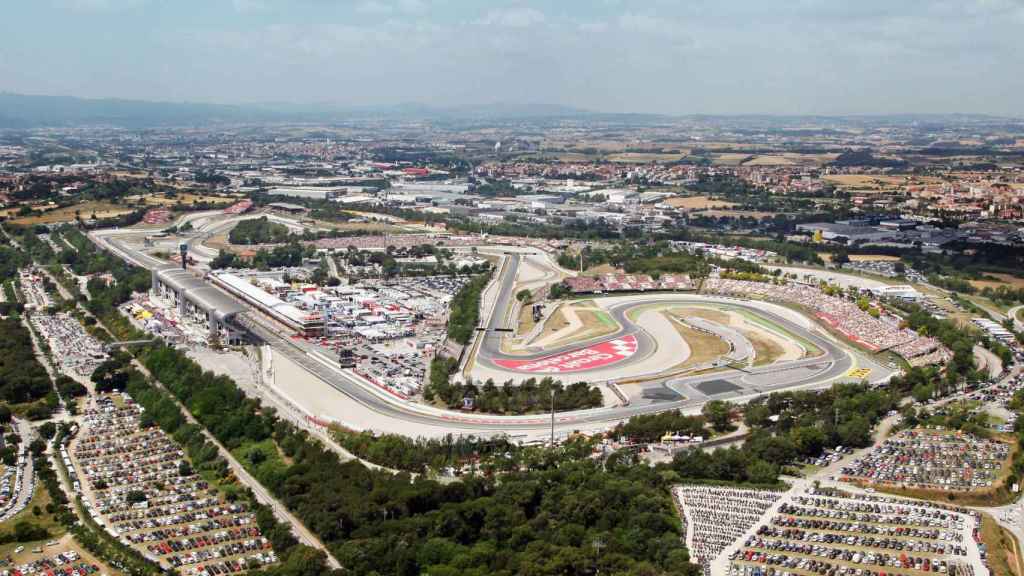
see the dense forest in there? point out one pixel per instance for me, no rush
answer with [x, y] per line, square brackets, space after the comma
[258, 231]
[536, 521]
[291, 254]
[22, 377]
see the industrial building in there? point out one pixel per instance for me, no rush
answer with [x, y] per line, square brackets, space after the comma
[310, 192]
[307, 323]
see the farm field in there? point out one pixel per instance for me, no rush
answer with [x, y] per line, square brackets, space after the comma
[877, 182]
[698, 203]
[644, 157]
[1001, 280]
[730, 159]
[769, 161]
[182, 198]
[67, 214]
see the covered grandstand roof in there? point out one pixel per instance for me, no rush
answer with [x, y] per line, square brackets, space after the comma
[203, 295]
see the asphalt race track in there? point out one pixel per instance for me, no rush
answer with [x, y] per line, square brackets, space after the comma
[684, 393]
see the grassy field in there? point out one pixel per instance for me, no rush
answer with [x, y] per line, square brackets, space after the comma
[601, 269]
[86, 210]
[876, 182]
[1003, 547]
[45, 520]
[698, 203]
[703, 347]
[766, 350]
[525, 323]
[64, 543]
[595, 323]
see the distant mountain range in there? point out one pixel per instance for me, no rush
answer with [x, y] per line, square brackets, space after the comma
[31, 111]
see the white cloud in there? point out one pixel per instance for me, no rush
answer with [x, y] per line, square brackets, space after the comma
[375, 7]
[521, 17]
[99, 5]
[412, 6]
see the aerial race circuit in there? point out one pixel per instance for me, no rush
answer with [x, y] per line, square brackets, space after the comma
[649, 352]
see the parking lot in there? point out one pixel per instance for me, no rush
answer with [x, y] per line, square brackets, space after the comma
[138, 482]
[834, 533]
[932, 459]
[18, 482]
[74, 349]
[32, 290]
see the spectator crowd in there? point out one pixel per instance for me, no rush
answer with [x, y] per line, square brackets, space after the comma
[844, 315]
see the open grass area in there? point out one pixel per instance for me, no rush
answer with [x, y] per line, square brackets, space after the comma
[263, 459]
[594, 324]
[730, 158]
[555, 322]
[525, 323]
[85, 210]
[43, 520]
[766, 350]
[601, 269]
[1003, 548]
[703, 347]
[63, 544]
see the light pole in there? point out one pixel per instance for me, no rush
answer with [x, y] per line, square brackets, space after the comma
[552, 415]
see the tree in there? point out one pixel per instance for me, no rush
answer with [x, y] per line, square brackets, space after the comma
[135, 496]
[524, 295]
[761, 472]
[756, 415]
[808, 440]
[718, 413]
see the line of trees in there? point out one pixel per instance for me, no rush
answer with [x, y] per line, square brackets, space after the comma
[528, 397]
[465, 310]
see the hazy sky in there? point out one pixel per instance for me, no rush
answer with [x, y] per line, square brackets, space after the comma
[680, 57]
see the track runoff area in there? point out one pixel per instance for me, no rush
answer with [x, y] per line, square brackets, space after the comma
[671, 350]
